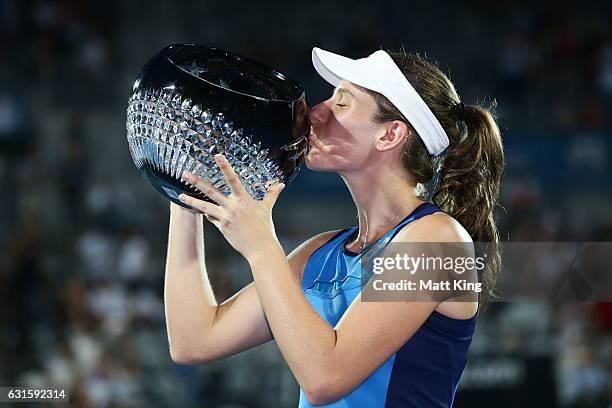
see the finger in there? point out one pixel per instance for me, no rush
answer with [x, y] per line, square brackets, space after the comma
[188, 209]
[273, 193]
[212, 219]
[230, 176]
[201, 205]
[194, 211]
[204, 186]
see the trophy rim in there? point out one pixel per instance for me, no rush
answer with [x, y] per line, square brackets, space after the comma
[293, 83]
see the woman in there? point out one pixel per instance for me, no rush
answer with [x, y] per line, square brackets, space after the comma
[397, 133]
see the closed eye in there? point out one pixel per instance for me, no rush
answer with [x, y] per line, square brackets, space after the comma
[340, 104]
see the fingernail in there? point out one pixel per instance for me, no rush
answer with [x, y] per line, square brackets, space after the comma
[181, 197]
[185, 176]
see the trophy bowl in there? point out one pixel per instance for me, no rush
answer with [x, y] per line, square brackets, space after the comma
[191, 102]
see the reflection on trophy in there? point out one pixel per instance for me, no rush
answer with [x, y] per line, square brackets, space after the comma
[191, 102]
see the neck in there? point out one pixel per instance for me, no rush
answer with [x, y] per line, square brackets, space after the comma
[383, 199]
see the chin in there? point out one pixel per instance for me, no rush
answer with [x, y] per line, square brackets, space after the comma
[313, 162]
[310, 162]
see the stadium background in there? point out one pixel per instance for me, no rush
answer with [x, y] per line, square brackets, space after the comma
[83, 236]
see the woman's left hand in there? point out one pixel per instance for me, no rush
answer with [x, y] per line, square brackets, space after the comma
[245, 222]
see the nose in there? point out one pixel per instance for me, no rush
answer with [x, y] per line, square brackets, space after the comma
[319, 114]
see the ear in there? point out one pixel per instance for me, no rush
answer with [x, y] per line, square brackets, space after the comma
[395, 134]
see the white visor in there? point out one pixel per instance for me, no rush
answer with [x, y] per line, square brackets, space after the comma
[378, 72]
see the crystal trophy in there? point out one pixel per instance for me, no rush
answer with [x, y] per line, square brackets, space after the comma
[191, 102]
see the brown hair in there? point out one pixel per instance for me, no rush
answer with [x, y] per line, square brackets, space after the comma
[469, 175]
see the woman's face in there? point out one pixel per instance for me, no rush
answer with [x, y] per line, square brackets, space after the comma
[343, 135]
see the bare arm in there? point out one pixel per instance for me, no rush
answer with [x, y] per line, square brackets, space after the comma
[200, 330]
[189, 300]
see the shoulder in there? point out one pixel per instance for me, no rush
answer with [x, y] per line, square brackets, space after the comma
[436, 227]
[441, 227]
[300, 255]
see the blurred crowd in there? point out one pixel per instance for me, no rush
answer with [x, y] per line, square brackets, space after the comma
[83, 236]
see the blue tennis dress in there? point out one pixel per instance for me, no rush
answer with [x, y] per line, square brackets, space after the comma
[426, 370]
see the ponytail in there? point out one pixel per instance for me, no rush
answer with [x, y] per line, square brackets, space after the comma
[469, 186]
[464, 182]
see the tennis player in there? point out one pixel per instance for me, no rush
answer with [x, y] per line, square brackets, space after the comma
[421, 166]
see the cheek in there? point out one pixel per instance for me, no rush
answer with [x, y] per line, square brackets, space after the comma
[342, 144]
